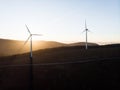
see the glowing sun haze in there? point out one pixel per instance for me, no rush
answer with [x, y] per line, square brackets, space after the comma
[61, 20]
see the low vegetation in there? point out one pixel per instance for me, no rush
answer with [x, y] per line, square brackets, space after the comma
[101, 72]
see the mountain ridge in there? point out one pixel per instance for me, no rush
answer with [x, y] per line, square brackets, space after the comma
[13, 47]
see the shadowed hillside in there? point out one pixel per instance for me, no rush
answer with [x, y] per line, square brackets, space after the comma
[94, 69]
[65, 54]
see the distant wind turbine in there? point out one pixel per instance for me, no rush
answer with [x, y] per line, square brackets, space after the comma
[30, 37]
[86, 30]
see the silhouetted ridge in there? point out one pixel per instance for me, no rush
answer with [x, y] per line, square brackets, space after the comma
[83, 44]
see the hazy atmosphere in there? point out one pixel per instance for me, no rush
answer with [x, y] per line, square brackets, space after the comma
[59, 44]
[61, 20]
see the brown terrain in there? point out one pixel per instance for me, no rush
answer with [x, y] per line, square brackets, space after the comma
[65, 67]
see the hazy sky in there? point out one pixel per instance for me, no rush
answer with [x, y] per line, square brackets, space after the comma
[61, 20]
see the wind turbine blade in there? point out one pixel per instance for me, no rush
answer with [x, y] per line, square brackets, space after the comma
[37, 34]
[83, 31]
[89, 31]
[85, 24]
[28, 29]
[27, 40]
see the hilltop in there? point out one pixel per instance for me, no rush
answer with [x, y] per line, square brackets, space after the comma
[13, 47]
[83, 44]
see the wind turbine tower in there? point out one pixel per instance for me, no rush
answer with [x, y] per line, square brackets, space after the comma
[86, 31]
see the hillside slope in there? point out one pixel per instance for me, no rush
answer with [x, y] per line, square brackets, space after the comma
[99, 74]
[65, 54]
[11, 47]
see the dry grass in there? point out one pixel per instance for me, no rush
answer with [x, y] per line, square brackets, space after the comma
[96, 75]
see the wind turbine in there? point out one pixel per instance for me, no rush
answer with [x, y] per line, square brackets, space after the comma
[31, 56]
[86, 30]
[30, 37]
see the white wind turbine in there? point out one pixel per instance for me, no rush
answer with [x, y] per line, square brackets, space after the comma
[86, 30]
[30, 37]
[31, 56]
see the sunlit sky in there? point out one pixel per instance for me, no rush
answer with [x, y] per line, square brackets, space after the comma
[61, 20]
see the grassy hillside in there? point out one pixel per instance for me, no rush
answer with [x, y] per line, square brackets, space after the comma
[12, 47]
[97, 74]
[64, 54]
